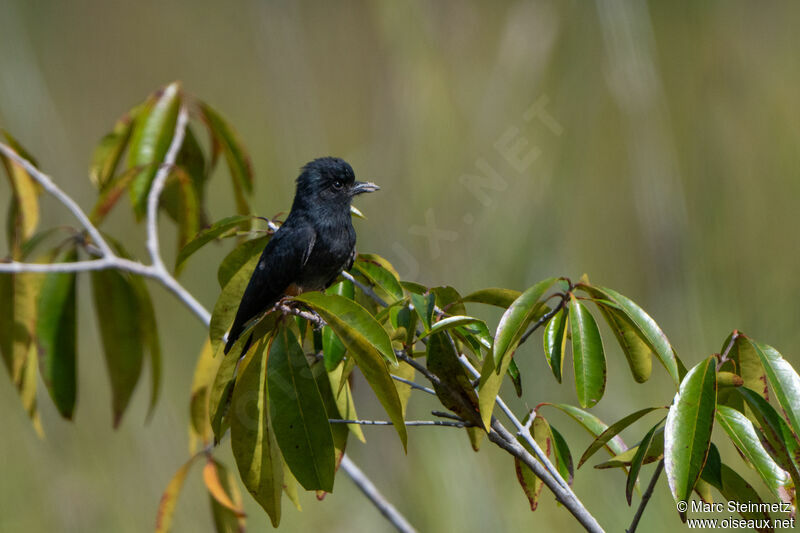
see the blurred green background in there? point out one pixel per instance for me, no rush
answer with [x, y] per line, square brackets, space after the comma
[662, 161]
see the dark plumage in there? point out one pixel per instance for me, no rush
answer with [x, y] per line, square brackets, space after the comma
[311, 248]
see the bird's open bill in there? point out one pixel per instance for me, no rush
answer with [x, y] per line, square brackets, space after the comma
[364, 186]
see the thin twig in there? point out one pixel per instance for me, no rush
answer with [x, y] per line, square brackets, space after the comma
[407, 423]
[504, 439]
[50, 186]
[308, 315]
[521, 432]
[451, 416]
[366, 289]
[723, 358]
[403, 356]
[413, 385]
[646, 497]
[371, 491]
[157, 186]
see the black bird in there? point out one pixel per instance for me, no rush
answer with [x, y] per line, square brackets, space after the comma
[311, 248]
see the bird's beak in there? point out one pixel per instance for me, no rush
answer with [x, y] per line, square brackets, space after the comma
[363, 186]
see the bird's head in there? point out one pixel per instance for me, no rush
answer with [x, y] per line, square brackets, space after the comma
[329, 181]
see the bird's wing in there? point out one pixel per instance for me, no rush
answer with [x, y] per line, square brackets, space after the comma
[307, 252]
[279, 266]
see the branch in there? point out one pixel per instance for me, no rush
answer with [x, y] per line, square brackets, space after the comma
[723, 358]
[646, 497]
[522, 432]
[412, 384]
[308, 315]
[500, 436]
[157, 187]
[50, 186]
[370, 491]
[366, 289]
[447, 423]
[403, 356]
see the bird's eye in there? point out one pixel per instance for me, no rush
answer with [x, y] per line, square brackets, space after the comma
[338, 184]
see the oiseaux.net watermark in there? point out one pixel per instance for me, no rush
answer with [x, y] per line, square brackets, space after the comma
[749, 515]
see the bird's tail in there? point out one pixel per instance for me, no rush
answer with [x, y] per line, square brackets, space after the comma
[232, 340]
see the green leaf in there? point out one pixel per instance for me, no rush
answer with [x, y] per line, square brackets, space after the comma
[228, 301]
[636, 350]
[563, 456]
[344, 399]
[339, 432]
[655, 452]
[452, 322]
[454, 388]
[118, 311]
[187, 206]
[748, 364]
[636, 463]
[532, 485]
[776, 436]
[152, 134]
[221, 392]
[516, 378]
[712, 471]
[743, 435]
[615, 445]
[238, 257]
[56, 336]
[381, 277]
[613, 430]
[406, 371]
[150, 338]
[424, 306]
[367, 343]
[413, 287]
[646, 329]
[515, 321]
[783, 380]
[191, 163]
[687, 433]
[494, 296]
[298, 414]
[588, 357]
[555, 343]
[348, 317]
[512, 326]
[332, 348]
[112, 192]
[149, 327]
[238, 161]
[25, 199]
[166, 507]
[736, 489]
[206, 236]
[108, 151]
[253, 438]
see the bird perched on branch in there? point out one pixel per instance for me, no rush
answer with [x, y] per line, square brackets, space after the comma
[311, 248]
